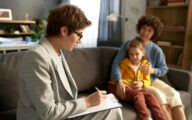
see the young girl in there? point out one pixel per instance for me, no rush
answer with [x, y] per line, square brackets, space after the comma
[134, 81]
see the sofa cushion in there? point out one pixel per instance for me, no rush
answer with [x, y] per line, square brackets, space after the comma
[108, 55]
[85, 66]
[9, 67]
[128, 111]
[185, 97]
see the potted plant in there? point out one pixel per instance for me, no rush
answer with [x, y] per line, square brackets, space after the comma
[39, 30]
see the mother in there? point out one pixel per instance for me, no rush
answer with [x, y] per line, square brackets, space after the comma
[149, 28]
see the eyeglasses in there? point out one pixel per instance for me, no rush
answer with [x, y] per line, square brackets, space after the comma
[78, 34]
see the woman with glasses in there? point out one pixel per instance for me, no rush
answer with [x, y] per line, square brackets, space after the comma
[47, 89]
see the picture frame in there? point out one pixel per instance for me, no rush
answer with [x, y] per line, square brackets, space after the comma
[5, 14]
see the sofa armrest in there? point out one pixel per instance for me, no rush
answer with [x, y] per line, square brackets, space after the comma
[181, 79]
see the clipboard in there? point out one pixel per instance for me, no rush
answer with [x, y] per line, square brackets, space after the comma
[110, 102]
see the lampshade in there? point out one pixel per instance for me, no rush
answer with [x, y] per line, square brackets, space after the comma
[112, 17]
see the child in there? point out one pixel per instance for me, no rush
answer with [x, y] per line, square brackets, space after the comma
[133, 81]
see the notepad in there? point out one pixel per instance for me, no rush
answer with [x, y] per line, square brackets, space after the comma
[110, 102]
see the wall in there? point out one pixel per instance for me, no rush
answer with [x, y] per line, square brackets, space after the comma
[35, 8]
[133, 9]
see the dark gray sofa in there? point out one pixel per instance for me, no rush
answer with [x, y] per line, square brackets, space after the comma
[90, 67]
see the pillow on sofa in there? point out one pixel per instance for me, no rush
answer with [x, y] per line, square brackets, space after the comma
[166, 80]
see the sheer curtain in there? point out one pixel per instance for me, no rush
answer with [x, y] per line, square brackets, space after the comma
[91, 8]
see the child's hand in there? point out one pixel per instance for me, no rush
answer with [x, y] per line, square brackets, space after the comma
[121, 89]
[138, 85]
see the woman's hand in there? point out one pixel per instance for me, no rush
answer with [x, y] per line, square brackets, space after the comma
[147, 69]
[121, 89]
[138, 85]
[95, 98]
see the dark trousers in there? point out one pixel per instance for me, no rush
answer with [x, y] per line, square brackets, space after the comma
[141, 100]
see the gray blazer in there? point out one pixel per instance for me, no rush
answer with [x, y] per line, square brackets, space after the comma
[43, 93]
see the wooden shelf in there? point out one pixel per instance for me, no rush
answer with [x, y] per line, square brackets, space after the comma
[15, 33]
[174, 28]
[177, 31]
[16, 25]
[18, 21]
[173, 65]
[172, 46]
[159, 7]
[166, 30]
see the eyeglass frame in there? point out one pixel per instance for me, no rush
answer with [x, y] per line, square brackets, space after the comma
[78, 34]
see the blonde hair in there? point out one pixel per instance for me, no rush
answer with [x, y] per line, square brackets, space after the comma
[136, 43]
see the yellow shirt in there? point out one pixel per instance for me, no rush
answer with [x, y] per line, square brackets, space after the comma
[128, 74]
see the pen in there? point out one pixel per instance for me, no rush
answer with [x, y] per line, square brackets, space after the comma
[97, 88]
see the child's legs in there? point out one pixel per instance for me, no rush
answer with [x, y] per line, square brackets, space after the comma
[172, 96]
[134, 96]
[154, 106]
[139, 103]
[113, 89]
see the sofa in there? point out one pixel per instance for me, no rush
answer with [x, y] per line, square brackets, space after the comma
[90, 67]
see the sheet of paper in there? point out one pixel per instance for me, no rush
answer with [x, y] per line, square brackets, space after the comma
[109, 103]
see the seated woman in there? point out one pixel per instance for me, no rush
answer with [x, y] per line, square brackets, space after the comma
[149, 28]
[47, 90]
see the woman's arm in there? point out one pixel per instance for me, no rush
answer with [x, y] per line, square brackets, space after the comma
[157, 67]
[161, 66]
[115, 69]
[120, 85]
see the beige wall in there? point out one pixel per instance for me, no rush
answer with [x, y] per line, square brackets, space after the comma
[133, 9]
[35, 8]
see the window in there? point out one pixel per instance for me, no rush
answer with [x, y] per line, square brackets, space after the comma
[91, 8]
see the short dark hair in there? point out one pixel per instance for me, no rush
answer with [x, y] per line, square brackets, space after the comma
[66, 15]
[152, 21]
